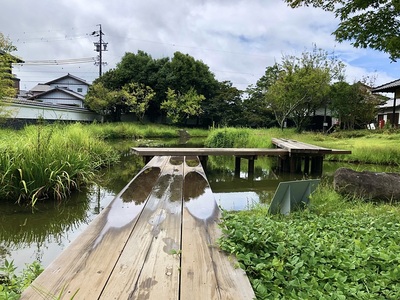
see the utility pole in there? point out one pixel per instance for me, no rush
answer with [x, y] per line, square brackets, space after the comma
[100, 46]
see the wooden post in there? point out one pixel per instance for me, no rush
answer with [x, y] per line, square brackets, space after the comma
[307, 165]
[237, 167]
[203, 160]
[317, 165]
[251, 167]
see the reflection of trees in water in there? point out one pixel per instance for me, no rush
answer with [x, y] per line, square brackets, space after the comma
[140, 188]
[176, 188]
[117, 177]
[192, 161]
[176, 160]
[223, 167]
[48, 222]
[194, 186]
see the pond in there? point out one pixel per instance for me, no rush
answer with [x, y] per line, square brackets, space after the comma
[42, 233]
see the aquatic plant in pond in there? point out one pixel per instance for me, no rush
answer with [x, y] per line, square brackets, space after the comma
[43, 162]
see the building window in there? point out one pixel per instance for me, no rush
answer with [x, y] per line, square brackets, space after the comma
[80, 90]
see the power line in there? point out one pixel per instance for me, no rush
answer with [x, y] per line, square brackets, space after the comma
[53, 62]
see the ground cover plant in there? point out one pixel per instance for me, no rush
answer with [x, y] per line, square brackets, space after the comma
[12, 284]
[337, 249]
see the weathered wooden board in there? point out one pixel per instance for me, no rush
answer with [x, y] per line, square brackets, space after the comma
[209, 151]
[85, 265]
[303, 148]
[149, 266]
[207, 273]
[156, 240]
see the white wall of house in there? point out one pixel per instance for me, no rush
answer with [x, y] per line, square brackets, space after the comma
[26, 109]
[59, 97]
[72, 84]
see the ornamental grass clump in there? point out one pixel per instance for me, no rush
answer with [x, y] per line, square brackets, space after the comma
[44, 162]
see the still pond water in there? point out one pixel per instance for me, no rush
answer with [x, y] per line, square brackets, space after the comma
[42, 233]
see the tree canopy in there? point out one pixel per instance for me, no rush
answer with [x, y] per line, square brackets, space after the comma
[297, 86]
[6, 83]
[180, 107]
[366, 23]
[181, 73]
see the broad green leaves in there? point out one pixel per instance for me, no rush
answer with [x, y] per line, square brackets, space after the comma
[338, 255]
[373, 24]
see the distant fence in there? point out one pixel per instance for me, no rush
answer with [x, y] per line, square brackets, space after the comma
[21, 112]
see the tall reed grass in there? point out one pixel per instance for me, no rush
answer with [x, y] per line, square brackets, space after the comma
[43, 162]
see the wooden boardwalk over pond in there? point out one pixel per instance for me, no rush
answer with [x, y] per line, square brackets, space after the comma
[291, 154]
[156, 240]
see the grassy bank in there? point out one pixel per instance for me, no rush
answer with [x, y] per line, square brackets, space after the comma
[136, 131]
[375, 147]
[49, 161]
[337, 249]
[41, 162]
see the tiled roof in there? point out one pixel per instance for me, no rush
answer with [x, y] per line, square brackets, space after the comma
[390, 87]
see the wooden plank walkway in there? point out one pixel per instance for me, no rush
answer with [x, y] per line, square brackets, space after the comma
[291, 154]
[156, 240]
[297, 147]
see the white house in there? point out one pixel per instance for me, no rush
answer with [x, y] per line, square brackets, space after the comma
[67, 90]
[70, 82]
[60, 96]
[390, 111]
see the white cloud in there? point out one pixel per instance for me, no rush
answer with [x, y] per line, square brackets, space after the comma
[237, 39]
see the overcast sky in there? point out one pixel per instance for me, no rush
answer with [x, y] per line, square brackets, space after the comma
[237, 39]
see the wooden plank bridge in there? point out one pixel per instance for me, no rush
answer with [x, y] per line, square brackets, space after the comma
[293, 156]
[156, 240]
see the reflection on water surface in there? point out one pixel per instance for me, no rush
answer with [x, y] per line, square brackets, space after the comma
[41, 234]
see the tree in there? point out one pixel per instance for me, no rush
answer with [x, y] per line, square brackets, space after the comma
[226, 107]
[181, 73]
[353, 105]
[6, 59]
[299, 85]
[366, 23]
[180, 107]
[256, 110]
[103, 101]
[137, 97]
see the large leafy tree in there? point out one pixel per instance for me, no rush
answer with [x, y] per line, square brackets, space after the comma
[256, 110]
[133, 97]
[298, 86]
[103, 101]
[180, 73]
[366, 23]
